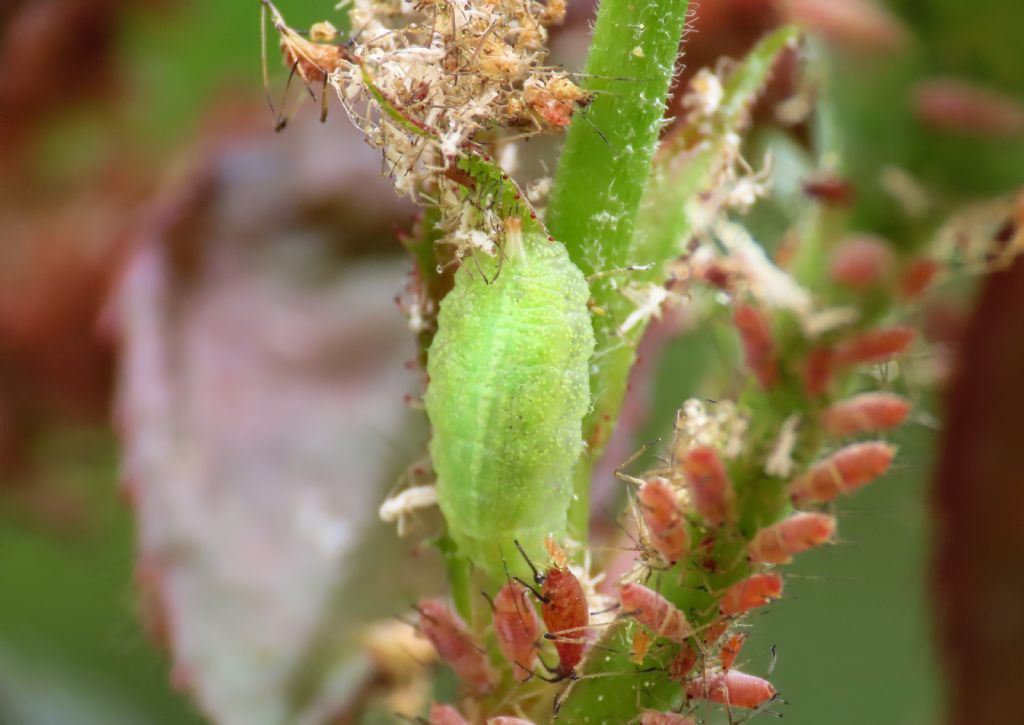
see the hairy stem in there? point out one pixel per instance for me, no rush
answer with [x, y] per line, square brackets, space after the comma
[600, 181]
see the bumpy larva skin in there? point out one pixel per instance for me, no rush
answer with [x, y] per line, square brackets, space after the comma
[509, 387]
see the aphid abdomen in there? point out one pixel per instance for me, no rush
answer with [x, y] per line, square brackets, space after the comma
[508, 390]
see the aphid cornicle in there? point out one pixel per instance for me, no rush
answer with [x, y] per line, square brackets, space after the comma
[509, 386]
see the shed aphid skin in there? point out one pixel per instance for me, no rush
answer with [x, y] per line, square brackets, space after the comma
[456, 646]
[730, 650]
[755, 591]
[655, 612]
[517, 628]
[563, 607]
[397, 508]
[710, 487]
[441, 714]
[666, 525]
[732, 689]
[653, 717]
[844, 471]
[512, 349]
[778, 543]
[865, 413]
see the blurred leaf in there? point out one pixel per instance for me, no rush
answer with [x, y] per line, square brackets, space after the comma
[260, 407]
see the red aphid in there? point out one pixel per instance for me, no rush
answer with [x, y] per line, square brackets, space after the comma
[683, 663]
[754, 591]
[732, 688]
[960, 107]
[861, 262]
[566, 616]
[731, 650]
[639, 646]
[917, 276]
[865, 413]
[665, 523]
[758, 345]
[710, 487]
[713, 631]
[876, 346]
[517, 628]
[653, 717]
[778, 543]
[844, 471]
[654, 612]
[445, 715]
[829, 190]
[455, 646]
[817, 371]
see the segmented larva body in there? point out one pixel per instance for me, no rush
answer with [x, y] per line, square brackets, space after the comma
[654, 612]
[777, 543]
[456, 646]
[665, 523]
[445, 715]
[509, 386]
[732, 688]
[754, 591]
[844, 471]
[516, 628]
[652, 717]
[865, 413]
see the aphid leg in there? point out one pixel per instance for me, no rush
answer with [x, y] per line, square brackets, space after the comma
[619, 472]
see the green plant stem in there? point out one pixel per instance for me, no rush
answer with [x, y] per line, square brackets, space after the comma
[600, 181]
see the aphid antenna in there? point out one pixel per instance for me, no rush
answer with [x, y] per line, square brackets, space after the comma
[538, 578]
[632, 458]
[621, 270]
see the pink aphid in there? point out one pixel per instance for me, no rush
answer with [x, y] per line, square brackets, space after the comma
[517, 628]
[758, 345]
[732, 688]
[445, 715]
[876, 346]
[731, 650]
[776, 544]
[654, 612]
[865, 413]
[861, 262]
[710, 487]
[665, 523]
[754, 591]
[844, 471]
[653, 717]
[817, 371]
[455, 646]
